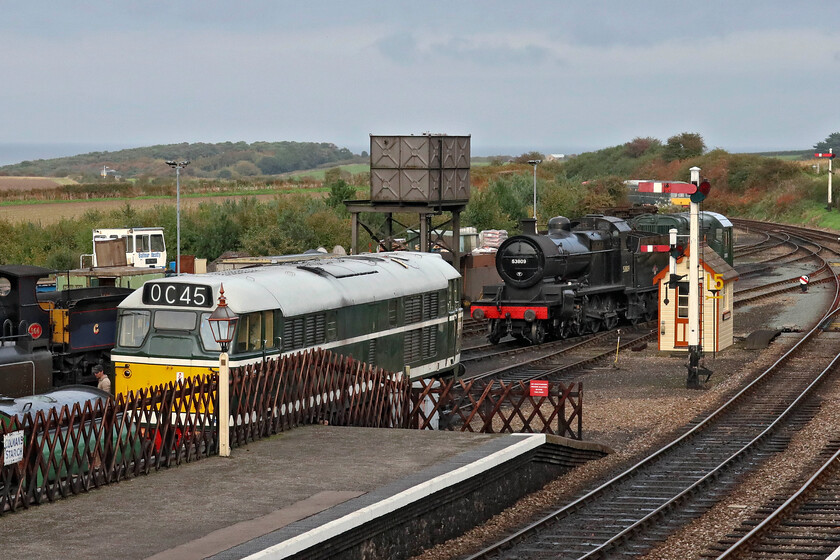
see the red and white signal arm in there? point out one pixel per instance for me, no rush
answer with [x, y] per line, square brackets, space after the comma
[35, 330]
[538, 388]
[678, 187]
[821, 154]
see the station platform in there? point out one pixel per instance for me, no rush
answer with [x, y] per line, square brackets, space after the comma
[287, 495]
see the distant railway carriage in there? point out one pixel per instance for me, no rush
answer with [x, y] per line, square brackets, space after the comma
[391, 310]
[716, 229]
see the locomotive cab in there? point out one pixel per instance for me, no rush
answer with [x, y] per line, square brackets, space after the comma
[25, 359]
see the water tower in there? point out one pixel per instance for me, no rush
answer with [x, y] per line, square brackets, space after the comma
[426, 176]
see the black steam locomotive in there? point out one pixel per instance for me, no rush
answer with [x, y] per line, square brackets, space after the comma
[52, 338]
[581, 277]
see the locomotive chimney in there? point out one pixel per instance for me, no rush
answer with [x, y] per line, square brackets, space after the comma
[529, 226]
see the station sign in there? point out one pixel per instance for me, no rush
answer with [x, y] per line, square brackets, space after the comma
[13, 447]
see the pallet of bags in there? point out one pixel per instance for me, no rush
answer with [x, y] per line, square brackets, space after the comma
[492, 237]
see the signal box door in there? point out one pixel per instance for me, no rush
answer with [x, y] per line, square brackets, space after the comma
[681, 319]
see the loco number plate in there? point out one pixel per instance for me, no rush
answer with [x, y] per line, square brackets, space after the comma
[178, 295]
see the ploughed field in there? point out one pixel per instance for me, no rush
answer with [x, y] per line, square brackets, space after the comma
[29, 183]
[53, 212]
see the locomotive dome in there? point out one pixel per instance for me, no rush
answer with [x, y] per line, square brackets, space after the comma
[559, 223]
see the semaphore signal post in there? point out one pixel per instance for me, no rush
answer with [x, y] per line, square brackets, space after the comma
[697, 191]
[830, 156]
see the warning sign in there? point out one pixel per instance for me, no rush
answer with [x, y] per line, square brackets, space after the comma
[539, 388]
[13, 447]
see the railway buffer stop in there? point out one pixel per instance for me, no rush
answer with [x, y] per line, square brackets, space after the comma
[700, 318]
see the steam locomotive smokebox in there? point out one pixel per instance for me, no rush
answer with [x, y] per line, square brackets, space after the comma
[419, 169]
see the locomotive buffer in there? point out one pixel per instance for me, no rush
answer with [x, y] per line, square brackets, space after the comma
[698, 190]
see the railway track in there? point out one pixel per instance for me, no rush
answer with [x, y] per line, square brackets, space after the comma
[802, 525]
[641, 506]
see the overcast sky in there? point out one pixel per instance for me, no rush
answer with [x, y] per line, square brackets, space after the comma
[554, 76]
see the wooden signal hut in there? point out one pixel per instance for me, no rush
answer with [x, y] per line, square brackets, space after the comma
[716, 305]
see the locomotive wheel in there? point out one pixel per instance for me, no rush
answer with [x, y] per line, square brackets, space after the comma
[594, 306]
[537, 335]
[639, 302]
[563, 331]
[610, 316]
[493, 333]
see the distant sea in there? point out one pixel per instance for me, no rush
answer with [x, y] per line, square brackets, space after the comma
[16, 153]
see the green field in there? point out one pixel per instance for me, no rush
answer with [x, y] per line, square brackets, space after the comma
[318, 174]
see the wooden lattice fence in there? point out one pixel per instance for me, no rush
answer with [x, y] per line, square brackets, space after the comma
[71, 449]
[497, 407]
[311, 388]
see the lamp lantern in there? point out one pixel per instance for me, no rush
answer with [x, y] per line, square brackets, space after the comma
[223, 324]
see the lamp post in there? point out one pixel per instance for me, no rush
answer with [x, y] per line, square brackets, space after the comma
[178, 166]
[222, 324]
[535, 163]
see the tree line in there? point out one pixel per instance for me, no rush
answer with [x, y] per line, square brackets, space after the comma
[502, 193]
[223, 160]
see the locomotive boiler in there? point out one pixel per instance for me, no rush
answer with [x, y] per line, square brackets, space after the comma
[579, 278]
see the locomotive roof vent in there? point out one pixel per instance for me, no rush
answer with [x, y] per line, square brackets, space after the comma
[558, 224]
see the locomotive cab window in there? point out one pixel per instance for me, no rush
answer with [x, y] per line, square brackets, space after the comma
[207, 341]
[175, 320]
[255, 331]
[133, 328]
[454, 295]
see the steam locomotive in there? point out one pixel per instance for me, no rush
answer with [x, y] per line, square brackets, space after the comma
[54, 338]
[581, 277]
